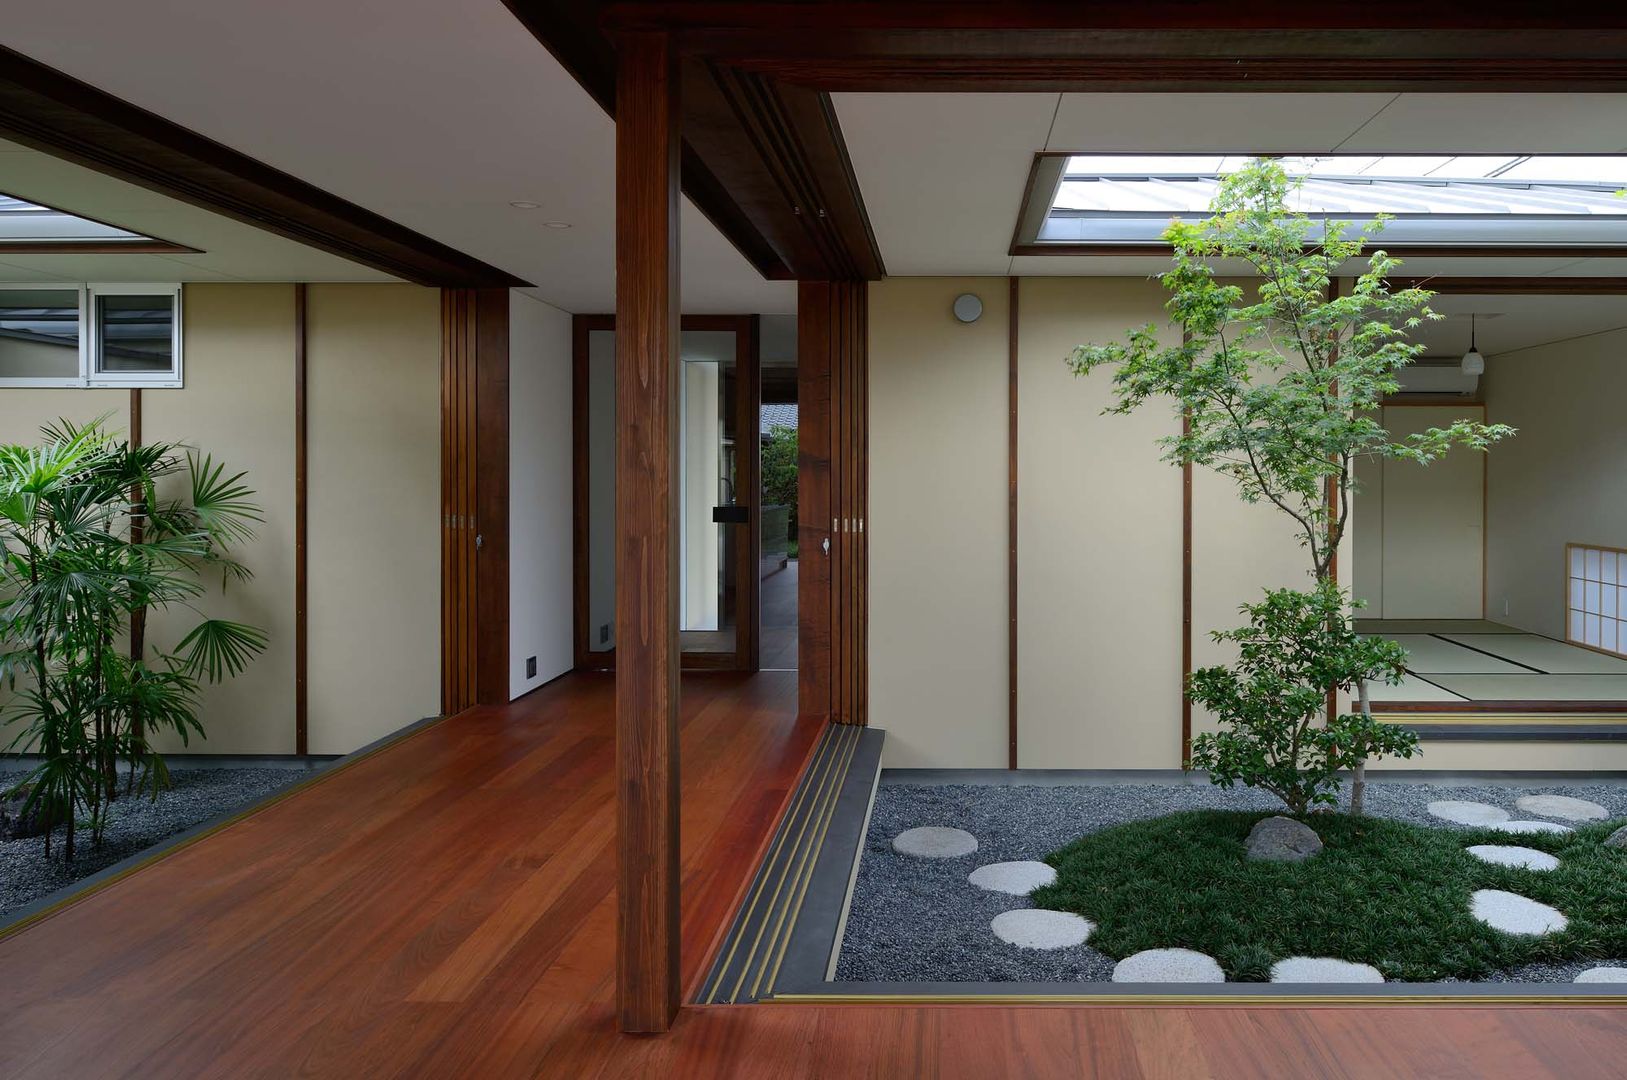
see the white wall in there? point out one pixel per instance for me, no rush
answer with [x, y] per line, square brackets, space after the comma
[540, 506]
[1562, 479]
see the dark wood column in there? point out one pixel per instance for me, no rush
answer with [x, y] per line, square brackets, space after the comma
[833, 496]
[647, 147]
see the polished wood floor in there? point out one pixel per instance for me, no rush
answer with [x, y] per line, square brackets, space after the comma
[445, 909]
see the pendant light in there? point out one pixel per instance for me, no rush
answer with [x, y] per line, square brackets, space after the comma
[1473, 362]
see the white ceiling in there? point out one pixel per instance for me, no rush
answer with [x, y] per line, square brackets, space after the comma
[943, 174]
[434, 114]
[1505, 323]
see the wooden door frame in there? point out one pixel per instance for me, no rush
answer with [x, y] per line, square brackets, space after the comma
[748, 394]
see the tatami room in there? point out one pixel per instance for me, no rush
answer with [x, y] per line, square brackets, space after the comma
[1498, 571]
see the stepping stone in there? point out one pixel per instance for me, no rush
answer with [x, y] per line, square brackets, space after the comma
[1603, 975]
[1617, 839]
[1523, 857]
[1467, 813]
[1514, 914]
[1518, 827]
[1168, 966]
[1015, 878]
[935, 842]
[1561, 806]
[1037, 928]
[1323, 969]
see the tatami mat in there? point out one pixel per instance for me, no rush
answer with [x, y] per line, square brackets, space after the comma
[1427, 654]
[1412, 688]
[1531, 687]
[1545, 654]
[1432, 626]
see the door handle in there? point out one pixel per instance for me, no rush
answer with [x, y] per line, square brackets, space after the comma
[825, 543]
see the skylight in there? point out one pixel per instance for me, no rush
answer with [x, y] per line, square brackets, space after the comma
[25, 223]
[1436, 201]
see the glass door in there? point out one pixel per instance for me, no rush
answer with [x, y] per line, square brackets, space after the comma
[717, 492]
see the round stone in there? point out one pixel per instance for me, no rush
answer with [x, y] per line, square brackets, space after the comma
[1168, 966]
[1015, 878]
[1323, 969]
[1467, 813]
[1522, 857]
[1514, 914]
[1561, 806]
[935, 842]
[1603, 975]
[1036, 928]
[1523, 827]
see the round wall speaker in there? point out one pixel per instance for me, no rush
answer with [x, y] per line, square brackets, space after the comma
[968, 308]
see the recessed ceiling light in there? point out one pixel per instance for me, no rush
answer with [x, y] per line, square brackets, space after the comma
[556, 224]
[521, 204]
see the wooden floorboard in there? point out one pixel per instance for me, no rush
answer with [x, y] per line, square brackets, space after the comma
[446, 908]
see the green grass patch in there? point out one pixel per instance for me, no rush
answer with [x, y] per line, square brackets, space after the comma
[1381, 892]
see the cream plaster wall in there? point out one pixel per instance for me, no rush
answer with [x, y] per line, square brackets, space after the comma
[1562, 479]
[937, 527]
[1099, 542]
[373, 415]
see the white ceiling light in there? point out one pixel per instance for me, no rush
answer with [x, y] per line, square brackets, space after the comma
[556, 224]
[521, 204]
[1473, 362]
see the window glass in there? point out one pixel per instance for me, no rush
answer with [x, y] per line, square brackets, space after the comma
[39, 333]
[136, 334]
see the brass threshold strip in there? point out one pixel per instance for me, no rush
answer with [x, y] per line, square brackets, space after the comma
[1230, 1000]
[776, 898]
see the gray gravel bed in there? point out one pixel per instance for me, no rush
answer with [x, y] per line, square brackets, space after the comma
[136, 824]
[919, 920]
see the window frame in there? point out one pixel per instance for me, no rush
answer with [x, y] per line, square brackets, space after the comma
[91, 334]
[1574, 610]
[40, 382]
[88, 376]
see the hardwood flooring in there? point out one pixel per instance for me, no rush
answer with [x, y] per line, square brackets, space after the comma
[446, 908]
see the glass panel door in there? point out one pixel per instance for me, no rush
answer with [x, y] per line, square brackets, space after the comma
[716, 492]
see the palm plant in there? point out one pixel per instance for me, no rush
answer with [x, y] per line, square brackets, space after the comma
[94, 534]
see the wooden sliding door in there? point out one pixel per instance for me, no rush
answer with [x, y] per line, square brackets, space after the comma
[833, 427]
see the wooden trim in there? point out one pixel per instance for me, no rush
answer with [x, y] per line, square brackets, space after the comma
[647, 422]
[1400, 251]
[1515, 286]
[301, 532]
[49, 111]
[1186, 598]
[1555, 707]
[140, 246]
[1013, 309]
[748, 614]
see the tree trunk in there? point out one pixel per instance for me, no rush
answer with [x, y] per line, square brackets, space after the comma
[1358, 777]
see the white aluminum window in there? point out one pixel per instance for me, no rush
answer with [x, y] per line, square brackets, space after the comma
[1596, 597]
[90, 335]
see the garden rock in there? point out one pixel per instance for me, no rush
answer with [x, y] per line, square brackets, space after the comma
[1603, 975]
[1617, 839]
[1323, 969]
[15, 825]
[1519, 827]
[1514, 914]
[1522, 857]
[1036, 928]
[1280, 839]
[1014, 878]
[935, 842]
[1561, 806]
[1467, 813]
[1168, 966]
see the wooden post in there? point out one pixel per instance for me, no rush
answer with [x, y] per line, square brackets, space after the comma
[647, 141]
